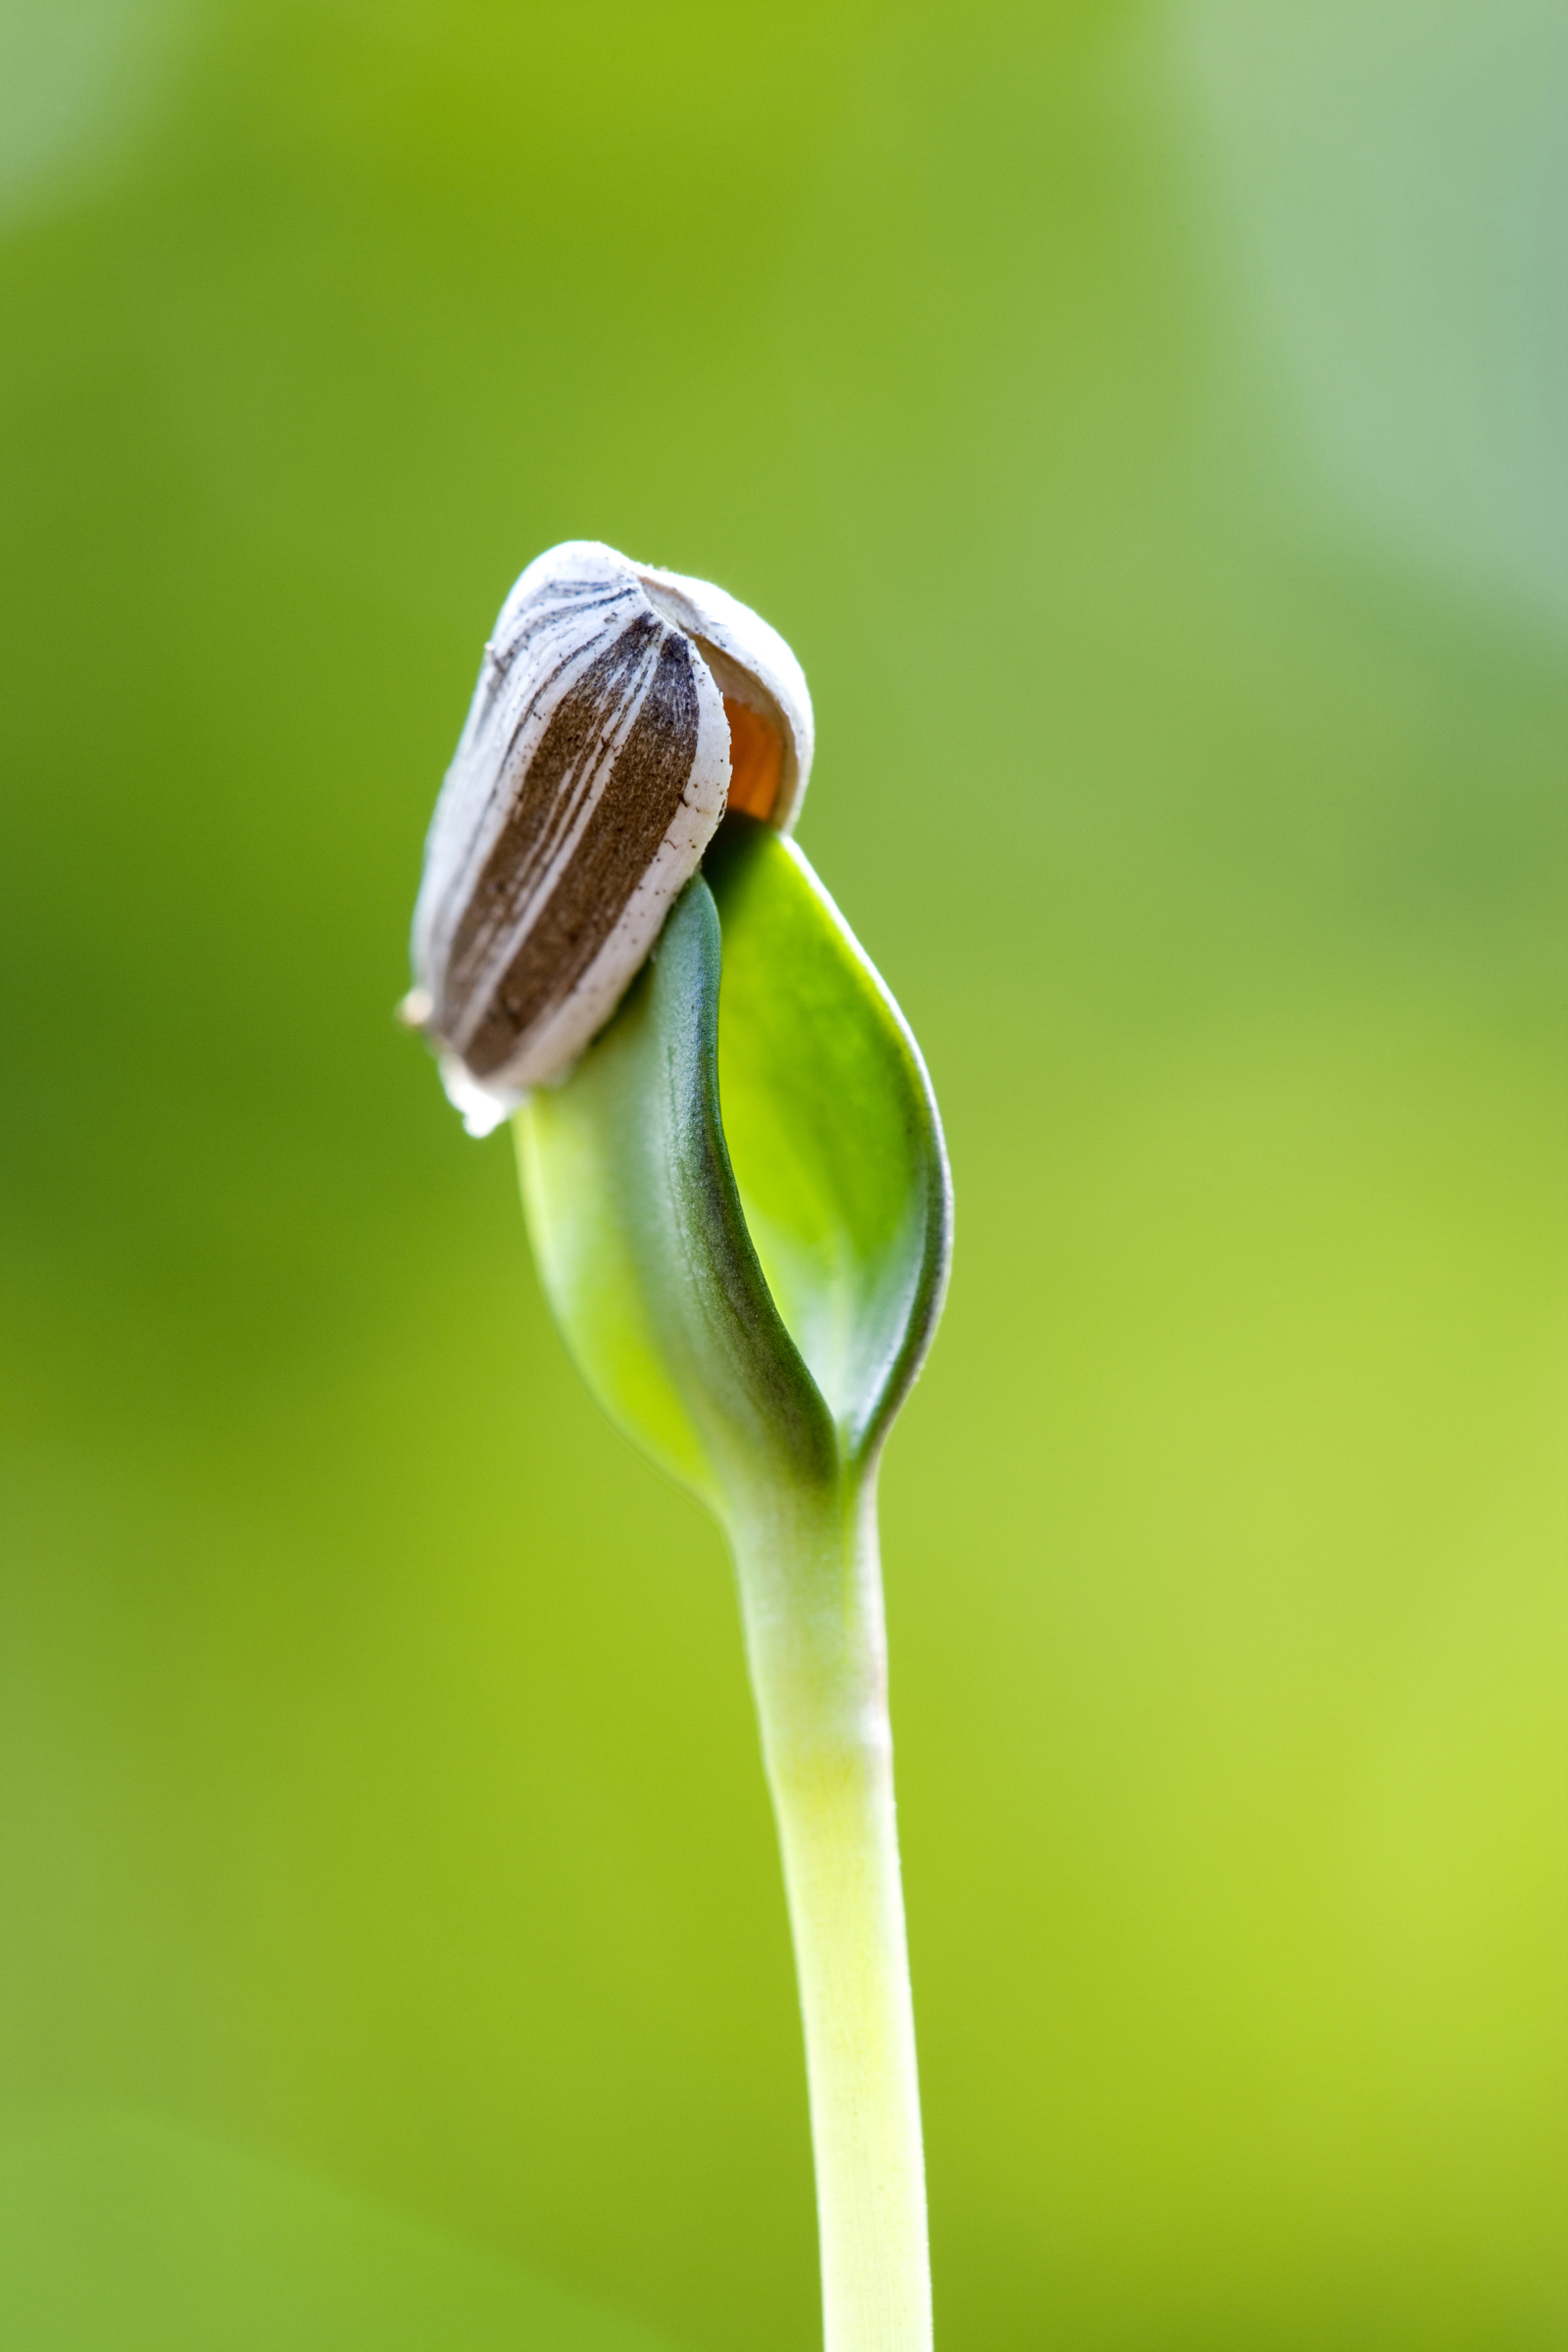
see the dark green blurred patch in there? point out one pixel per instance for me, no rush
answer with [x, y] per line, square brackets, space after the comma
[122, 2235]
[380, 1792]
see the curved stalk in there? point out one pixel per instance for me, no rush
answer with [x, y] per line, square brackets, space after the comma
[811, 1591]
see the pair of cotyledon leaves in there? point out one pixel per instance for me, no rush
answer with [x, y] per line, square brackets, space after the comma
[739, 1199]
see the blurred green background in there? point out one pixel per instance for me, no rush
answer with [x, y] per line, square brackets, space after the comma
[1146, 422]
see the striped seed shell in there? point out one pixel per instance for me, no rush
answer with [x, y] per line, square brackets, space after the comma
[618, 710]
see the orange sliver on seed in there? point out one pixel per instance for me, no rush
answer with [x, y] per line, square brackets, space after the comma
[756, 760]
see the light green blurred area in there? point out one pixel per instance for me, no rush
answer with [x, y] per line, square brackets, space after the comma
[1145, 424]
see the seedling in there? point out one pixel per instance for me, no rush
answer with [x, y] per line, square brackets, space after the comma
[738, 1197]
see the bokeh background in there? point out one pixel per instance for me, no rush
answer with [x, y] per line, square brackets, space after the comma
[1145, 418]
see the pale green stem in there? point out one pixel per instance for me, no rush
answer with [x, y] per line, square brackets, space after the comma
[811, 1599]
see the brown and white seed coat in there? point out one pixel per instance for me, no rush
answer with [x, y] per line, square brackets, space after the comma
[591, 775]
